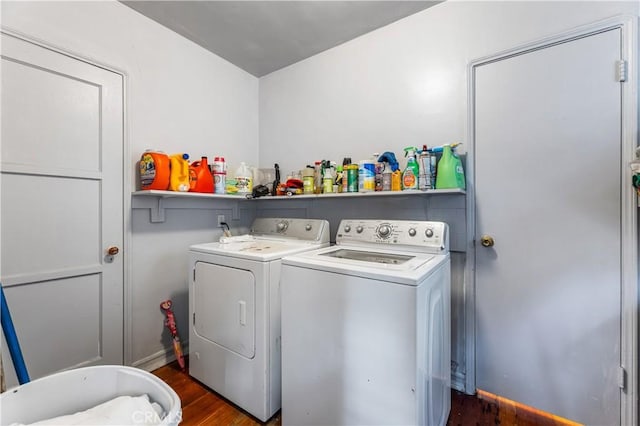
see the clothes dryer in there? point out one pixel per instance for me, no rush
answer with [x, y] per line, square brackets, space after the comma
[234, 309]
[366, 327]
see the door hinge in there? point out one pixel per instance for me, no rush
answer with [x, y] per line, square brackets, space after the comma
[622, 378]
[194, 318]
[622, 68]
[194, 275]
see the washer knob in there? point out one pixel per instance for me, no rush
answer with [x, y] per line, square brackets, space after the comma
[429, 232]
[359, 229]
[282, 226]
[347, 228]
[308, 227]
[412, 232]
[384, 231]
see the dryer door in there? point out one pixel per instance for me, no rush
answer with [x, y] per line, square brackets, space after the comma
[224, 307]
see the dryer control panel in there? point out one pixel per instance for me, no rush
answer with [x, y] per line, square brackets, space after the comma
[422, 236]
[313, 230]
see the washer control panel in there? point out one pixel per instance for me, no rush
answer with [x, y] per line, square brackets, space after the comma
[405, 234]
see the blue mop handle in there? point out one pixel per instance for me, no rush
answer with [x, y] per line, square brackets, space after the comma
[12, 340]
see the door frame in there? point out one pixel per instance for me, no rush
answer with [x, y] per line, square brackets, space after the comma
[628, 26]
[126, 178]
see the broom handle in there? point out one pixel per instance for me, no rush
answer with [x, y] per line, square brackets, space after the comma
[12, 340]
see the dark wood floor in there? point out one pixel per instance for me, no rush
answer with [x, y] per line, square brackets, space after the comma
[201, 406]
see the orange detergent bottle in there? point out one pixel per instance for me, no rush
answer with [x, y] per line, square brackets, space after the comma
[200, 177]
[154, 170]
[179, 172]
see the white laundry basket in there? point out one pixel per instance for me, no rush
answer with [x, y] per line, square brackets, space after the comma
[77, 390]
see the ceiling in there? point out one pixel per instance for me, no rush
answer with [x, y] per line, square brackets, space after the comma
[264, 36]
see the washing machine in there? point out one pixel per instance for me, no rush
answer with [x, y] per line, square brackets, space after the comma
[366, 335]
[234, 309]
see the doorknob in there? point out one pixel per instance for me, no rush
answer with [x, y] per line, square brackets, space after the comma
[487, 241]
[111, 251]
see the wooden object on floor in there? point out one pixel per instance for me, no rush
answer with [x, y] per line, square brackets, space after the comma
[201, 407]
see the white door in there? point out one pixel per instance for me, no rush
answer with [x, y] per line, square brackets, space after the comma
[62, 208]
[548, 191]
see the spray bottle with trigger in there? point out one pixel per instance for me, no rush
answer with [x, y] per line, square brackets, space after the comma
[411, 172]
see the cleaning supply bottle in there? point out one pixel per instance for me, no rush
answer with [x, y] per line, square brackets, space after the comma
[411, 172]
[366, 176]
[461, 182]
[155, 170]
[327, 179]
[424, 163]
[308, 179]
[386, 177]
[200, 177]
[179, 172]
[317, 177]
[219, 175]
[244, 179]
[338, 181]
[450, 173]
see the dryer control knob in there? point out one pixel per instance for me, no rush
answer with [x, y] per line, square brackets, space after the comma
[347, 228]
[412, 232]
[359, 229]
[308, 227]
[429, 232]
[282, 226]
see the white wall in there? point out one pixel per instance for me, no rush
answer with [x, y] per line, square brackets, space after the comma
[404, 85]
[180, 98]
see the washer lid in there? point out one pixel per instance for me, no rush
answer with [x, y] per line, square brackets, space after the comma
[370, 256]
[401, 267]
[258, 249]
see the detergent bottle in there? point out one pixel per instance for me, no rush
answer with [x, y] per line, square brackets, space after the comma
[200, 177]
[154, 170]
[244, 179]
[179, 173]
[450, 172]
[410, 174]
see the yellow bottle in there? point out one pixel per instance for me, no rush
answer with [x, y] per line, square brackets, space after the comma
[396, 180]
[179, 172]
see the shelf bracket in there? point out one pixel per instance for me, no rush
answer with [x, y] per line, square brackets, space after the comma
[157, 211]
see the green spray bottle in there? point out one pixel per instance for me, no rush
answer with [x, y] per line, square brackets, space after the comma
[450, 173]
[410, 174]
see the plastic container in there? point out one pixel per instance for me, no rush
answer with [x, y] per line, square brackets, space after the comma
[366, 176]
[411, 172]
[77, 390]
[386, 178]
[200, 177]
[307, 180]
[155, 170]
[179, 180]
[450, 172]
[327, 181]
[396, 180]
[244, 179]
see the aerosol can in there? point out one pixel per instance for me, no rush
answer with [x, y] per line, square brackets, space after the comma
[424, 164]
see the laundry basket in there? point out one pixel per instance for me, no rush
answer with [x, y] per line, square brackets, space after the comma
[77, 390]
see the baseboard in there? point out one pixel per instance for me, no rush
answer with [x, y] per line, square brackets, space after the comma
[158, 359]
[512, 412]
[458, 381]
